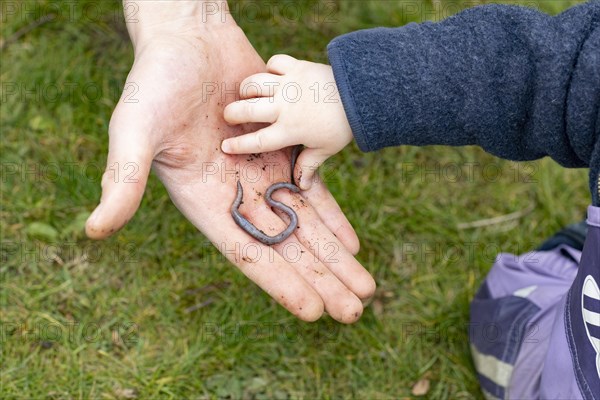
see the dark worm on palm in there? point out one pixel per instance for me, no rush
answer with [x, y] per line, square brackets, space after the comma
[253, 231]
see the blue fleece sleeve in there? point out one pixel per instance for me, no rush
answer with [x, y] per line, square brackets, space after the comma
[517, 82]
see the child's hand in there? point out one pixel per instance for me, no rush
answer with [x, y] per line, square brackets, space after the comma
[301, 100]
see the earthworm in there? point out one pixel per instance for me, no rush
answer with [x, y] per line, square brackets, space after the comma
[252, 230]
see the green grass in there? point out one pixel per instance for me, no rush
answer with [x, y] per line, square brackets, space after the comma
[119, 318]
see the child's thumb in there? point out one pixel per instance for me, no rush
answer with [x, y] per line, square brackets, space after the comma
[123, 183]
[307, 165]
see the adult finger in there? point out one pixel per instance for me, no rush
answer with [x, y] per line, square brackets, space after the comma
[314, 235]
[329, 211]
[261, 264]
[269, 267]
[340, 302]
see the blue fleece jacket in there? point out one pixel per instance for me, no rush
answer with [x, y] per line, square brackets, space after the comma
[517, 82]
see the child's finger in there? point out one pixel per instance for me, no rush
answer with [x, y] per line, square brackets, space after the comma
[264, 140]
[256, 110]
[307, 164]
[281, 64]
[259, 85]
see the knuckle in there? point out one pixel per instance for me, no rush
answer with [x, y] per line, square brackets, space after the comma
[259, 140]
[249, 110]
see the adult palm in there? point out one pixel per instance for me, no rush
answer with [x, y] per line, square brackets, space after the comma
[170, 119]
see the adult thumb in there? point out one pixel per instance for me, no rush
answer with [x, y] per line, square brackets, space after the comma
[128, 165]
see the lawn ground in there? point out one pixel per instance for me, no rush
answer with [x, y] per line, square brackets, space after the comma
[156, 312]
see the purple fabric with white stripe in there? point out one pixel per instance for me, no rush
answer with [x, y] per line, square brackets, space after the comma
[545, 309]
[582, 313]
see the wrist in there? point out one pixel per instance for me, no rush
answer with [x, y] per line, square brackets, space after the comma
[338, 113]
[150, 21]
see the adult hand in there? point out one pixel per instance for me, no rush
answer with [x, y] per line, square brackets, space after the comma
[183, 76]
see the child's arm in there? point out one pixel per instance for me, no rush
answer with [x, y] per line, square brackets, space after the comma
[519, 83]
